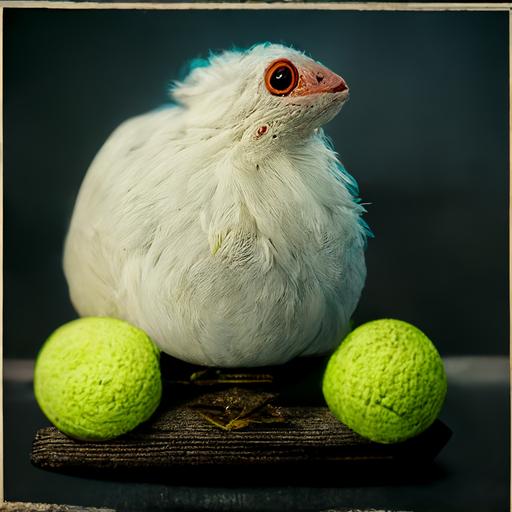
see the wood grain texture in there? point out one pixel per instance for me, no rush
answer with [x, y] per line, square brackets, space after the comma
[18, 506]
[179, 444]
[179, 439]
[263, 5]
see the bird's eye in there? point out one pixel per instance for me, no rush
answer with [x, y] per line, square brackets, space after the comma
[281, 77]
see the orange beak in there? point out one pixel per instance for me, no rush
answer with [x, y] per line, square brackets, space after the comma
[315, 79]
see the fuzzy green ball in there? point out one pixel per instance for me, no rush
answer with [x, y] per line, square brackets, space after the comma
[386, 381]
[98, 378]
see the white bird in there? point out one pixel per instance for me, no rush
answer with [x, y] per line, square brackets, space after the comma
[225, 226]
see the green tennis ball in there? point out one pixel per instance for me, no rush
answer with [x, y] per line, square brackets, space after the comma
[98, 378]
[386, 381]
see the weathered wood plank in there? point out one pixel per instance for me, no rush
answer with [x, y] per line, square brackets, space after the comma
[18, 506]
[179, 439]
[178, 443]
[45, 507]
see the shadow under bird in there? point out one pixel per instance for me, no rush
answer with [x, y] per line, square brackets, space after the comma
[224, 225]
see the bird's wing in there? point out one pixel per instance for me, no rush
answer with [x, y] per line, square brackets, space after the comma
[92, 258]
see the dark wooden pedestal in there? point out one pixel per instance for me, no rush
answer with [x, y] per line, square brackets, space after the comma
[304, 444]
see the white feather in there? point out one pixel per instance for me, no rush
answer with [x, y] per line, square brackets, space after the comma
[226, 248]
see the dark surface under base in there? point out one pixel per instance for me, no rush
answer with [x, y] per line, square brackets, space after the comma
[470, 473]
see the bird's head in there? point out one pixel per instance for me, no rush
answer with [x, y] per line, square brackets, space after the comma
[265, 96]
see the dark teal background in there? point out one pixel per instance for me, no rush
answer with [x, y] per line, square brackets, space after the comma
[425, 134]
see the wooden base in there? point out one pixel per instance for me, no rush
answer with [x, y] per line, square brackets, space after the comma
[178, 443]
[18, 506]
[47, 507]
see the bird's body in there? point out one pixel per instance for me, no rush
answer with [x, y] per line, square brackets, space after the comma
[223, 226]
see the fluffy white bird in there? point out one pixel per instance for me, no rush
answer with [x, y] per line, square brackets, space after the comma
[225, 225]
